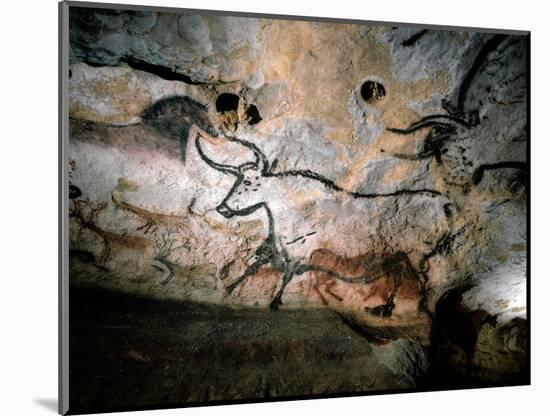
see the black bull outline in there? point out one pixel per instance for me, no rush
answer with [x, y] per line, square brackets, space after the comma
[268, 253]
[442, 128]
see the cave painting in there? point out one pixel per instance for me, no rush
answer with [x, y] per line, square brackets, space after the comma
[290, 246]
[341, 206]
[293, 244]
[481, 98]
[297, 237]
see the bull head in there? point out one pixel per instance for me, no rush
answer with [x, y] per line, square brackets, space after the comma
[246, 195]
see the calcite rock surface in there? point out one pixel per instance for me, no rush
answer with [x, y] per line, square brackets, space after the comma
[255, 162]
[202, 49]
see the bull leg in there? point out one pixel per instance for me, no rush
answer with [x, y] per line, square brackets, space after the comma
[318, 291]
[398, 278]
[422, 276]
[364, 294]
[239, 291]
[397, 282]
[423, 304]
[250, 270]
[167, 273]
[146, 227]
[276, 302]
[328, 289]
[385, 310]
[388, 307]
[317, 288]
[105, 253]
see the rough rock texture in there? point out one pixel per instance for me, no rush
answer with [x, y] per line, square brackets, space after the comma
[471, 348]
[171, 352]
[242, 162]
[202, 49]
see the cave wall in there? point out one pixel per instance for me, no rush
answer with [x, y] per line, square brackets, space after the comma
[370, 170]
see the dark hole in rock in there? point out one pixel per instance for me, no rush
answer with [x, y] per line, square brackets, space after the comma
[70, 73]
[253, 115]
[372, 91]
[227, 102]
[164, 72]
[74, 191]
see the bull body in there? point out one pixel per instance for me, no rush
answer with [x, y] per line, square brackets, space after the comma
[307, 212]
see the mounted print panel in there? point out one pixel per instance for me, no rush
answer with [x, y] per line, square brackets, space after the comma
[265, 208]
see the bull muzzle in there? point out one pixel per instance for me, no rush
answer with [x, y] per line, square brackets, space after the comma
[225, 210]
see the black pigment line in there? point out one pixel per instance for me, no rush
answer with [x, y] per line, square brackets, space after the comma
[308, 174]
[330, 184]
[101, 123]
[429, 121]
[218, 166]
[268, 253]
[397, 193]
[414, 38]
[295, 240]
[161, 71]
[419, 126]
[480, 170]
[445, 116]
[261, 160]
[169, 265]
[490, 46]
[418, 156]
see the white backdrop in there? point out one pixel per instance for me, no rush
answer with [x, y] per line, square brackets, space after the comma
[28, 347]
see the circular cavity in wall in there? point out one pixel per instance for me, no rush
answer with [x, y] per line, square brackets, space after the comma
[372, 91]
[227, 102]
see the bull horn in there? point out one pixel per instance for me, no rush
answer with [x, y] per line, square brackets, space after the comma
[261, 161]
[232, 170]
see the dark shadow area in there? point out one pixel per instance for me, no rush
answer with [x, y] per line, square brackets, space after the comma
[174, 116]
[469, 349]
[131, 352]
[128, 352]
